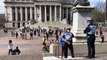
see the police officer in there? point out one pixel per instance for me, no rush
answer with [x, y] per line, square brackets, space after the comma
[67, 38]
[90, 31]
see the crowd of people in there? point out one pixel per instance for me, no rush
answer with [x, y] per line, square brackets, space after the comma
[56, 35]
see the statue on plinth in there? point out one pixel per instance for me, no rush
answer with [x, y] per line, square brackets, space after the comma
[82, 3]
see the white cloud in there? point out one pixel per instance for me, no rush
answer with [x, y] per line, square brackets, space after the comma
[94, 2]
[2, 7]
[104, 0]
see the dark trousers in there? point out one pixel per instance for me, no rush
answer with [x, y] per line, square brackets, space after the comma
[10, 52]
[62, 52]
[66, 46]
[91, 46]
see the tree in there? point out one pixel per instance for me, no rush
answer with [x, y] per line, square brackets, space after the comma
[99, 13]
[2, 19]
[98, 16]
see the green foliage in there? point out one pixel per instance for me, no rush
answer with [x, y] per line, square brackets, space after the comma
[98, 16]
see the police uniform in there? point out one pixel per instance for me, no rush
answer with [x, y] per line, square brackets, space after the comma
[90, 31]
[68, 36]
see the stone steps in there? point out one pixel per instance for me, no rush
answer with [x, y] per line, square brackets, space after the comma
[81, 49]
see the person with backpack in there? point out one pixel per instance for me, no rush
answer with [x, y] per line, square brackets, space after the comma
[90, 31]
[67, 38]
[62, 45]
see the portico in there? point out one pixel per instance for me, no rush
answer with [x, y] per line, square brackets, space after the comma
[19, 13]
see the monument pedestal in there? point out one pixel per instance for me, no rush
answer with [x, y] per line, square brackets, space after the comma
[80, 16]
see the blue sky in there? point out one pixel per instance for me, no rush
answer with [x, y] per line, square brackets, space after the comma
[2, 8]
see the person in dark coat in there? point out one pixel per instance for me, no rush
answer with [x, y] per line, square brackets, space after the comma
[16, 51]
[90, 31]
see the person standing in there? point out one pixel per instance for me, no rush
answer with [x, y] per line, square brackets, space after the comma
[101, 32]
[16, 34]
[10, 47]
[67, 38]
[47, 35]
[62, 46]
[90, 31]
[35, 32]
[102, 38]
[31, 35]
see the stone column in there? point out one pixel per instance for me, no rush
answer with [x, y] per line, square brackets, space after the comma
[16, 17]
[50, 13]
[67, 14]
[60, 12]
[35, 13]
[45, 13]
[40, 17]
[30, 12]
[11, 14]
[21, 16]
[16, 14]
[6, 14]
[26, 14]
[55, 13]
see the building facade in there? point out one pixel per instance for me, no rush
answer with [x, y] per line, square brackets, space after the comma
[19, 12]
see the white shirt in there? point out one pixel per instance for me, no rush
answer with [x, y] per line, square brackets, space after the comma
[10, 46]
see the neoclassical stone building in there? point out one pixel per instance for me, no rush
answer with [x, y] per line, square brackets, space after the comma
[19, 12]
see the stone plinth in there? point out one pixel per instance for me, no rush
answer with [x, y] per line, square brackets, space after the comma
[54, 49]
[80, 16]
[79, 49]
